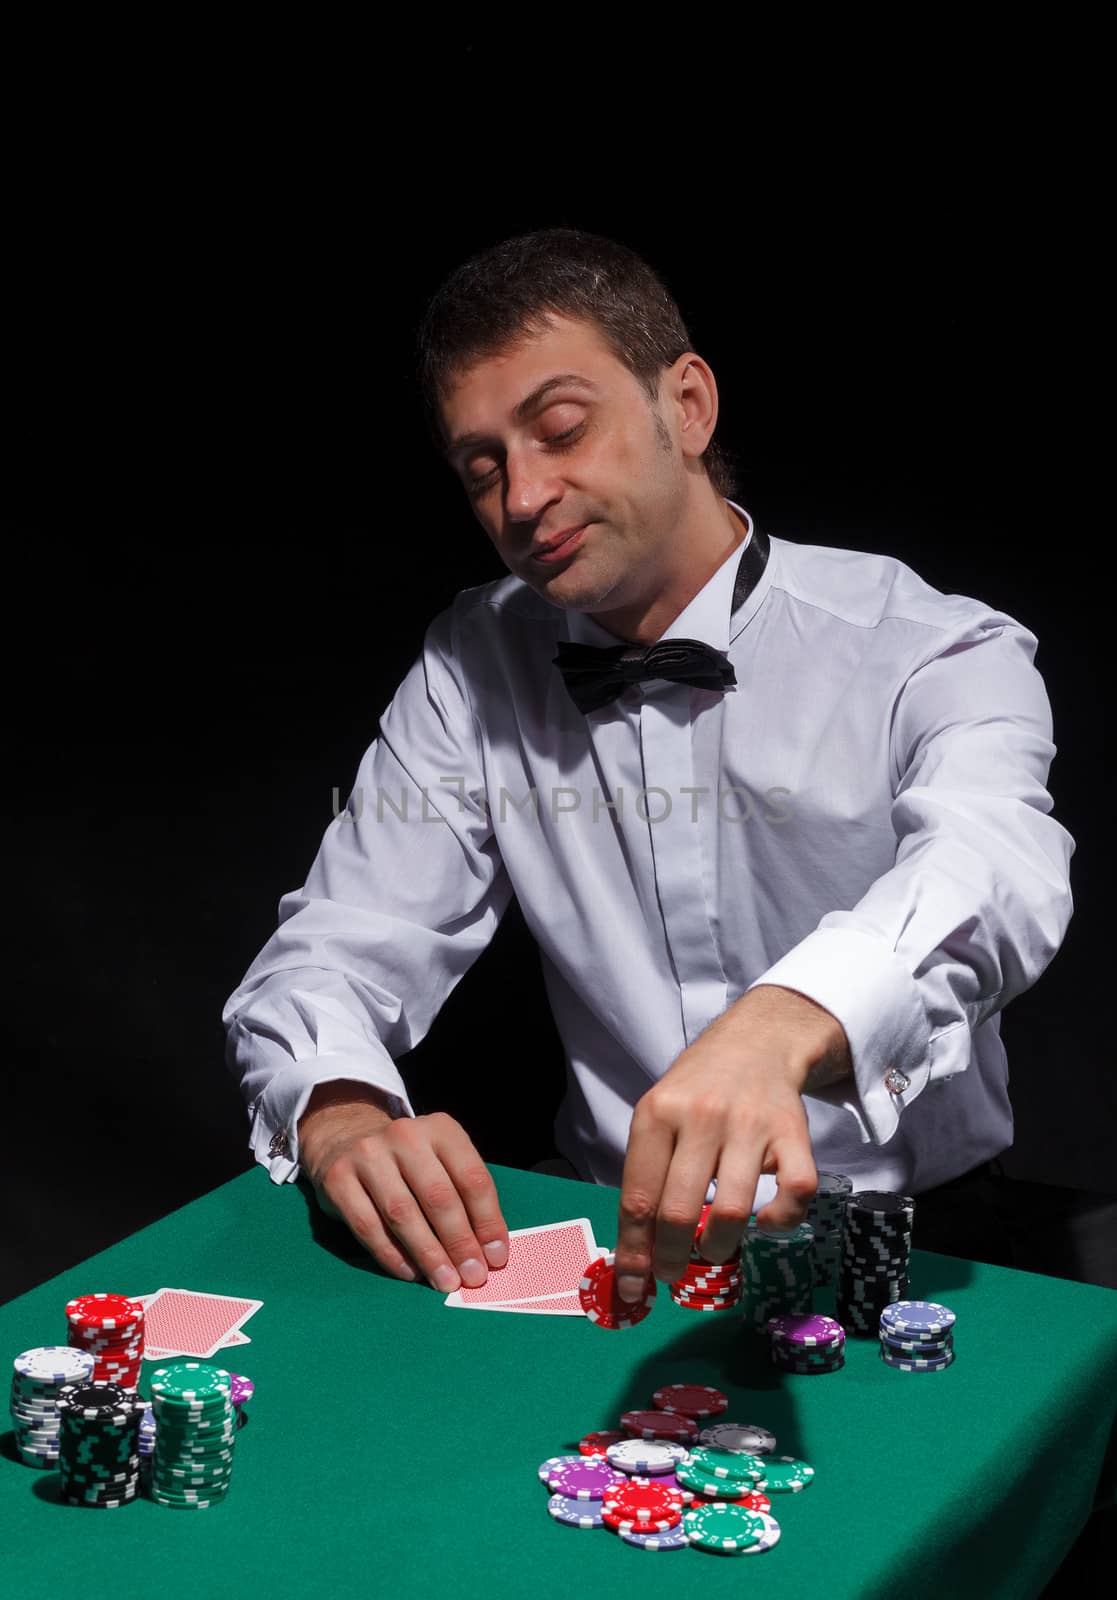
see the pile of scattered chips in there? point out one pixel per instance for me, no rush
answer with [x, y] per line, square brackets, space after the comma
[194, 1434]
[826, 1216]
[661, 1483]
[98, 1443]
[875, 1257]
[917, 1336]
[110, 1328]
[37, 1381]
[779, 1274]
[708, 1285]
[810, 1344]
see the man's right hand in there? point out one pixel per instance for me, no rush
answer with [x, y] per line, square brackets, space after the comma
[413, 1190]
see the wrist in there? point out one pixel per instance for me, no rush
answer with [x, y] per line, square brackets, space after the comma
[335, 1104]
[812, 1042]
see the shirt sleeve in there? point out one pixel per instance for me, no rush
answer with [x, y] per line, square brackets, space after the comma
[979, 898]
[407, 889]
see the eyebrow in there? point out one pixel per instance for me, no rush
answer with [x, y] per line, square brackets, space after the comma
[523, 410]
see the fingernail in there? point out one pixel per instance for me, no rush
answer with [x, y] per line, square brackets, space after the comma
[629, 1287]
[445, 1280]
[497, 1252]
[473, 1273]
[407, 1272]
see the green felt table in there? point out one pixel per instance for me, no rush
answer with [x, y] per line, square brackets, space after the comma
[393, 1442]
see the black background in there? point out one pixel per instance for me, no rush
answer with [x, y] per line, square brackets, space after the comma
[226, 533]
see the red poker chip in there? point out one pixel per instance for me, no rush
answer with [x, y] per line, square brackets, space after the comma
[600, 1301]
[691, 1399]
[642, 1505]
[618, 1495]
[103, 1312]
[706, 1285]
[730, 1298]
[660, 1425]
[596, 1444]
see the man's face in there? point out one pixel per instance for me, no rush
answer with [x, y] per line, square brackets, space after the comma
[589, 453]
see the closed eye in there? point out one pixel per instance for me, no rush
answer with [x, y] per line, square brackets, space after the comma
[557, 441]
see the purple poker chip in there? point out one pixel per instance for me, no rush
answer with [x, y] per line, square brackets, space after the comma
[240, 1389]
[576, 1513]
[587, 1478]
[671, 1539]
[814, 1330]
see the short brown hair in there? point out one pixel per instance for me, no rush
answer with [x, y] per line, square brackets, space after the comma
[500, 295]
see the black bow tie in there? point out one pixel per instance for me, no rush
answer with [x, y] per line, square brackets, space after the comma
[595, 675]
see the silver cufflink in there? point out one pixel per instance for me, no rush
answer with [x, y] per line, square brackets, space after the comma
[279, 1146]
[896, 1081]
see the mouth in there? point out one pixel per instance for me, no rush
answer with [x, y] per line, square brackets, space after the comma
[560, 548]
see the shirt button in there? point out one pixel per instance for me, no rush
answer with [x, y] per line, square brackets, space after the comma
[279, 1145]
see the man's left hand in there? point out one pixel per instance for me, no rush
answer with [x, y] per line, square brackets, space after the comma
[730, 1106]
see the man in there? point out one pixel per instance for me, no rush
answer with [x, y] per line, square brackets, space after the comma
[787, 943]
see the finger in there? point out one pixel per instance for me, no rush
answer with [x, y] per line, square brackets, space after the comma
[650, 1147]
[435, 1227]
[693, 1163]
[355, 1206]
[474, 1183]
[796, 1182]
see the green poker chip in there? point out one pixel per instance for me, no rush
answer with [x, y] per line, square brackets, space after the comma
[725, 1529]
[194, 1384]
[786, 1474]
[738, 1466]
[695, 1479]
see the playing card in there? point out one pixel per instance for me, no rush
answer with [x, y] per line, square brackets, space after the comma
[191, 1322]
[544, 1266]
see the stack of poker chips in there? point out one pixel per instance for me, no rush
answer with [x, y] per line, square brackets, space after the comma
[778, 1275]
[917, 1336]
[98, 1444]
[37, 1381]
[826, 1216]
[659, 1490]
[195, 1430]
[110, 1327]
[875, 1256]
[809, 1345]
[708, 1285]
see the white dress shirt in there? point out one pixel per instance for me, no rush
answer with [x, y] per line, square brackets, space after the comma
[862, 818]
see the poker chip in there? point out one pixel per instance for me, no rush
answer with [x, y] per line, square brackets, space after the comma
[786, 1474]
[730, 1530]
[98, 1443]
[596, 1444]
[646, 1456]
[553, 1462]
[779, 1274]
[672, 1539]
[109, 1327]
[691, 1399]
[940, 1364]
[917, 1319]
[690, 1476]
[597, 1292]
[584, 1478]
[38, 1376]
[576, 1513]
[738, 1466]
[813, 1332]
[195, 1433]
[826, 1218]
[874, 1258]
[744, 1437]
[660, 1425]
[643, 1504]
[770, 1536]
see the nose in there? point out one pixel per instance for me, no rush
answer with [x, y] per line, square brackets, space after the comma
[530, 485]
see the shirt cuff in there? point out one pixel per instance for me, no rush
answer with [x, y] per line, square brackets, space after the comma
[274, 1138]
[878, 1003]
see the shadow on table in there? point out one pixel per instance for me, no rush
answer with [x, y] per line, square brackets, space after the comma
[335, 1236]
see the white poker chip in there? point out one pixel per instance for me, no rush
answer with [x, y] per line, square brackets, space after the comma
[741, 1438]
[645, 1455]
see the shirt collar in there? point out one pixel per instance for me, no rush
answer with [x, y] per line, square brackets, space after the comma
[707, 617]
